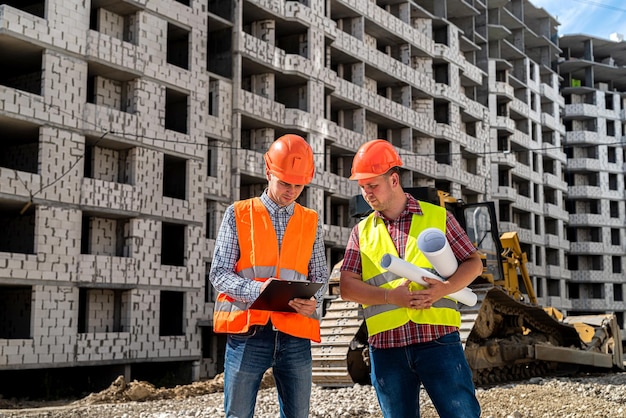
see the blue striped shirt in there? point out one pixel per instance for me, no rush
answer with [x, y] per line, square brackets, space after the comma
[226, 254]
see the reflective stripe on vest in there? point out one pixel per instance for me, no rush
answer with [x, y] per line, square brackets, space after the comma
[374, 242]
[260, 258]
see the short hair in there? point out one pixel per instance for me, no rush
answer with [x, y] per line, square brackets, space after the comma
[392, 170]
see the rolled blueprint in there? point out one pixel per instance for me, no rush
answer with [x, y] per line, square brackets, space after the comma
[433, 243]
[414, 273]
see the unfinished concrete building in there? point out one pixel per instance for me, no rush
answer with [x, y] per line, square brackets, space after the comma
[129, 126]
[527, 139]
[594, 82]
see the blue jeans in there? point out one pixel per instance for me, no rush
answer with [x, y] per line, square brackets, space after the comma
[249, 355]
[439, 366]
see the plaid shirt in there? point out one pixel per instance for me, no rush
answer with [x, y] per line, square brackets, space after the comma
[409, 333]
[226, 254]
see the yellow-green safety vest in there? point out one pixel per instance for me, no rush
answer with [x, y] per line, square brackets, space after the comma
[374, 242]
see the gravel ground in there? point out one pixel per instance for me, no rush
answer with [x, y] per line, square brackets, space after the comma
[585, 396]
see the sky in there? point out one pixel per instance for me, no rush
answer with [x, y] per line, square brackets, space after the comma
[598, 18]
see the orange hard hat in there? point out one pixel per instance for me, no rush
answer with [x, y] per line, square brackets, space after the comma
[290, 158]
[373, 159]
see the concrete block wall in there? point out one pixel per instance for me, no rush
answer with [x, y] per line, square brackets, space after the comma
[128, 141]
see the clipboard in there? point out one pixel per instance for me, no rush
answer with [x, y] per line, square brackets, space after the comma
[278, 293]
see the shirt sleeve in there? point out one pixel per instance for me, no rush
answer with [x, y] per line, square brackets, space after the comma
[460, 243]
[352, 256]
[222, 274]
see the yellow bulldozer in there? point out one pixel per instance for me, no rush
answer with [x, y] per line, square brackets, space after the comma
[507, 336]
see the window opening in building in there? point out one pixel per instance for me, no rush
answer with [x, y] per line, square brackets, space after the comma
[213, 219]
[573, 290]
[219, 47]
[441, 111]
[213, 147]
[176, 111]
[442, 152]
[174, 177]
[552, 257]
[554, 287]
[173, 244]
[18, 229]
[20, 144]
[177, 46]
[15, 312]
[25, 71]
[441, 73]
[618, 292]
[171, 313]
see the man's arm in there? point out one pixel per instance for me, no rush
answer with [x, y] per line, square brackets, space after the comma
[225, 256]
[353, 288]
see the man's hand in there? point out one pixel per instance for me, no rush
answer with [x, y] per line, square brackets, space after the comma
[266, 283]
[424, 298]
[304, 307]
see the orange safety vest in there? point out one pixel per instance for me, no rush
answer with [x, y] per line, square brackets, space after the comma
[261, 258]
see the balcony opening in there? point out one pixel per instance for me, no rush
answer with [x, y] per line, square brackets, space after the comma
[111, 88]
[25, 70]
[105, 236]
[103, 310]
[222, 8]
[34, 7]
[108, 161]
[117, 19]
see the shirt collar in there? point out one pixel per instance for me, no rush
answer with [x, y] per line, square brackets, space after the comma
[412, 208]
[273, 208]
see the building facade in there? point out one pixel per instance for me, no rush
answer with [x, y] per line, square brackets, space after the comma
[129, 126]
[594, 82]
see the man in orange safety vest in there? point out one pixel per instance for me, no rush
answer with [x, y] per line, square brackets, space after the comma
[263, 239]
